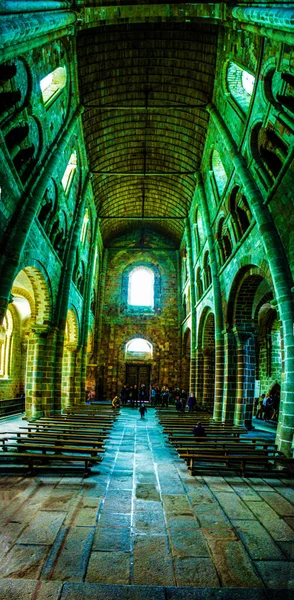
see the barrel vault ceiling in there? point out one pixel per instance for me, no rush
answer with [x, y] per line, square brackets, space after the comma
[144, 88]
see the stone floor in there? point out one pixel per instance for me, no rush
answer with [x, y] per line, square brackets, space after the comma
[141, 520]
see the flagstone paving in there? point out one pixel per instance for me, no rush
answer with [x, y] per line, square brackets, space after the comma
[141, 520]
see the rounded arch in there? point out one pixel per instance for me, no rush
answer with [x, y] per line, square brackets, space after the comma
[72, 327]
[32, 284]
[245, 284]
[139, 345]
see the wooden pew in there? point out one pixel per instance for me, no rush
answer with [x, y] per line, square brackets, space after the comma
[29, 431]
[215, 460]
[49, 438]
[70, 425]
[223, 443]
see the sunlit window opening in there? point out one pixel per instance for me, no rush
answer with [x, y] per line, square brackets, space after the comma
[84, 227]
[69, 172]
[248, 82]
[219, 172]
[240, 83]
[141, 287]
[140, 346]
[6, 346]
[52, 84]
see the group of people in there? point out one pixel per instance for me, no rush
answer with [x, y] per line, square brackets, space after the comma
[164, 396]
[266, 408]
[133, 394]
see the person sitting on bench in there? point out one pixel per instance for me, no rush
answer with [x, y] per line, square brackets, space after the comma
[199, 430]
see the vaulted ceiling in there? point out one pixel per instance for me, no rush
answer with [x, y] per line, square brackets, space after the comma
[145, 88]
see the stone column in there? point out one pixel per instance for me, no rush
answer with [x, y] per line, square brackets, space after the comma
[64, 289]
[68, 375]
[199, 375]
[99, 322]
[218, 311]
[35, 384]
[228, 408]
[208, 379]
[191, 272]
[86, 307]
[280, 274]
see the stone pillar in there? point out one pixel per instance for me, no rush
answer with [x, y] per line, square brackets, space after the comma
[280, 274]
[191, 272]
[68, 375]
[86, 308]
[208, 378]
[218, 311]
[64, 289]
[228, 408]
[35, 384]
[199, 375]
[240, 368]
[99, 324]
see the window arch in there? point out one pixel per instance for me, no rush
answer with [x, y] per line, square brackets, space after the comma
[69, 172]
[224, 242]
[241, 215]
[218, 171]
[139, 346]
[141, 287]
[206, 270]
[6, 346]
[52, 85]
[240, 83]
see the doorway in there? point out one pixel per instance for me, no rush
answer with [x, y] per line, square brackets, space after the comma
[138, 375]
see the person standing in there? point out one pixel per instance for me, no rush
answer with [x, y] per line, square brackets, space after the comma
[142, 410]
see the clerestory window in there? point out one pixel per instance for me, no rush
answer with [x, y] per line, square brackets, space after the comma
[141, 287]
[52, 85]
[240, 83]
[69, 172]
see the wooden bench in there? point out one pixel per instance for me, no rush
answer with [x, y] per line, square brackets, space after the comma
[49, 438]
[80, 418]
[29, 431]
[234, 443]
[44, 448]
[69, 425]
[209, 431]
[33, 458]
[212, 460]
[179, 440]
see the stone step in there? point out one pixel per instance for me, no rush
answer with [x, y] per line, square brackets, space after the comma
[28, 589]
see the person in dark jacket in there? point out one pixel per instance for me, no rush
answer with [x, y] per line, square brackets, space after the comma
[199, 430]
[142, 410]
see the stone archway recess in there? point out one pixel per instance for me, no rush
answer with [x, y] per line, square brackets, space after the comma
[30, 283]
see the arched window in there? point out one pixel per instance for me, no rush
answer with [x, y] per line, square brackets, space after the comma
[84, 227]
[218, 171]
[6, 346]
[141, 287]
[52, 85]
[240, 83]
[139, 346]
[69, 172]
